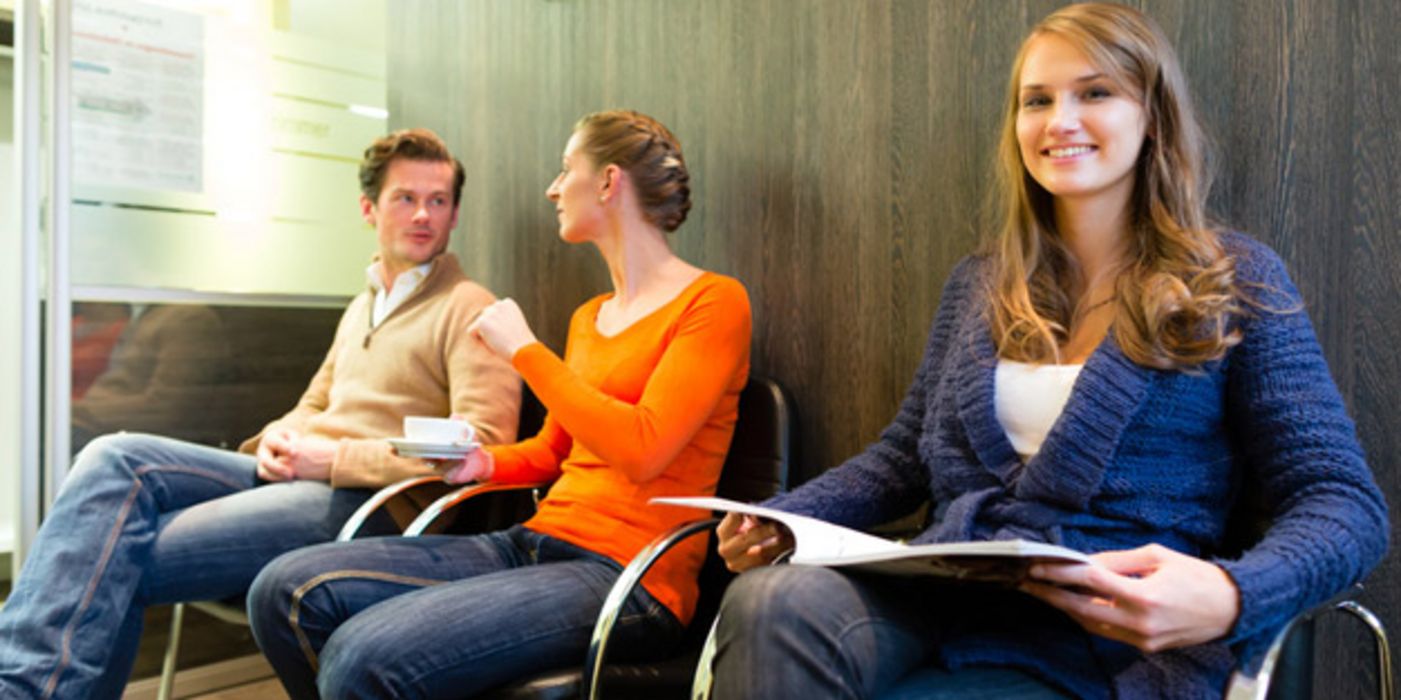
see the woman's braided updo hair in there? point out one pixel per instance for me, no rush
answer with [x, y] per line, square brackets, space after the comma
[649, 154]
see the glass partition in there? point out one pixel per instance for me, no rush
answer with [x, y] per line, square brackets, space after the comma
[208, 373]
[9, 312]
[213, 152]
[206, 232]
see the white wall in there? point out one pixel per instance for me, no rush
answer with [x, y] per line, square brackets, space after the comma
[347, 22]
[9, 319]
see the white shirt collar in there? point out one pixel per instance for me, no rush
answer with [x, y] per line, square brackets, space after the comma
[404, 285]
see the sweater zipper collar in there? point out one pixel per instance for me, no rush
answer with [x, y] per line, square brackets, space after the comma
[413, 296]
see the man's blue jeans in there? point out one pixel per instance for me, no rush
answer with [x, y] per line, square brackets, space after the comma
[143, 520]
[812, 632]
[441, 616]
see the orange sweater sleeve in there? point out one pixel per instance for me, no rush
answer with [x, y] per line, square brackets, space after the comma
[641, 439]
[533, 460]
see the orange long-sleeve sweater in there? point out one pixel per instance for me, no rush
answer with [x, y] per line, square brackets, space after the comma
[644, 413]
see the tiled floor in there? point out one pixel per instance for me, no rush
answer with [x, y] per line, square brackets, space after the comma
[204, 640]
[263, 690]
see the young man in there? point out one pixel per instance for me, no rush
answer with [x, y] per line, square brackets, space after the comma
[144, 520]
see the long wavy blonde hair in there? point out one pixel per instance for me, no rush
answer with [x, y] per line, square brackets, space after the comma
[1176, 294]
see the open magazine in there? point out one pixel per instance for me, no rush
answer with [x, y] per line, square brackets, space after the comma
[820, 543]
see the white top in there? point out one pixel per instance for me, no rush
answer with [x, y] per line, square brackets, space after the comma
[1029, 399]
[404, 284]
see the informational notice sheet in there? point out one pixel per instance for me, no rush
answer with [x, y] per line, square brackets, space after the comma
[138, 96]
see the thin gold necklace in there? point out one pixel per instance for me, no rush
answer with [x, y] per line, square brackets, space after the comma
[1081, 313]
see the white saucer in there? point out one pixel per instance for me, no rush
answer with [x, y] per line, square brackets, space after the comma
[423, 449]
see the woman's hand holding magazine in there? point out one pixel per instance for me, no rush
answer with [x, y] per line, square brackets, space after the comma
[753, 536]
[1151, 597]
[746, 541]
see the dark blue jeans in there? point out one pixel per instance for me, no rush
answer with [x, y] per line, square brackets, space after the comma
[811, 632]
[143, 520]
[439, 617]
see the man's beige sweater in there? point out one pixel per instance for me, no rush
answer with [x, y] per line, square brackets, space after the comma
[420, 361]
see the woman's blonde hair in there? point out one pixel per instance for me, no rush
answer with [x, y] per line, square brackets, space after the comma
[1176, 295]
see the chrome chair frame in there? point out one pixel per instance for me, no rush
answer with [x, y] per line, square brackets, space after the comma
[631, 577]
[532, 415]
[623, 588]
[1243, 686]
[236, 615]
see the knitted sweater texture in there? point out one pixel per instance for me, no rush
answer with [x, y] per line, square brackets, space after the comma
[1139, 455]
[420, 361]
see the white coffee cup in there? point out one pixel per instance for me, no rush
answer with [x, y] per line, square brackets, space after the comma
[440, 430]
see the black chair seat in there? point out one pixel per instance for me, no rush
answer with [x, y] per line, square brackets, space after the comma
[756, 468]
[670, 678]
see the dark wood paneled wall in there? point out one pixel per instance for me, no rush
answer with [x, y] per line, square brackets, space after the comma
[840, 151]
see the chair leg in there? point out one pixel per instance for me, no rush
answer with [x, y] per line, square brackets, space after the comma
[1385, 684]
[172, 650]
[705, 666]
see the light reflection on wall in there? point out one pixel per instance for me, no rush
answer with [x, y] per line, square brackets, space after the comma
[275, 210]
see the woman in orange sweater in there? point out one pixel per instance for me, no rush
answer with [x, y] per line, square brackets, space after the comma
[642, 404]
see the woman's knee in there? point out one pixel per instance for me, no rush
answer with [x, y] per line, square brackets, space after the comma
[778, 595]
[270, 584]
[275, 590]
[355, 663]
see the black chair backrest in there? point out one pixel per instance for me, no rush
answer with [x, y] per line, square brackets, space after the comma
[756, 468]
[757, 465]
[532, 414]
[1246, 524]
[504, 508]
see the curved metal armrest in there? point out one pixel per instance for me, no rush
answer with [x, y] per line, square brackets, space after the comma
[450, 500]
[1244, 687]
[704, 677]
[377, 501]
[622, 589]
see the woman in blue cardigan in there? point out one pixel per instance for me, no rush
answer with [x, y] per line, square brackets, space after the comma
[1113, 376]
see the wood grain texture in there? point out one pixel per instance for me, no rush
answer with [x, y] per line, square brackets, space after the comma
[840, 151]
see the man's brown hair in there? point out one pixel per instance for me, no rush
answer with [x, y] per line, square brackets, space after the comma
[410, 144]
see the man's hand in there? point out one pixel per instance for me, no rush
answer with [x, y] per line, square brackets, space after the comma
[274, 452]
[285, 454]
[311, 458]
[1151, 597]
[503, 328]
[746, 541]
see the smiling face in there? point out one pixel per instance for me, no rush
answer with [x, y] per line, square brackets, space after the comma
[576, 192]
[414, 214]
[1079, 131]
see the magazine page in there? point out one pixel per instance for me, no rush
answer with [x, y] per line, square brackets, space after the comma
[819, 543]
[994, 560]
[815, 539]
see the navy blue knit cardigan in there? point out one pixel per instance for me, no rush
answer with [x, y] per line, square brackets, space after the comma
[1139, 455]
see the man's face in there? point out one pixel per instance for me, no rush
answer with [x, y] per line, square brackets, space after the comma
[414, 215]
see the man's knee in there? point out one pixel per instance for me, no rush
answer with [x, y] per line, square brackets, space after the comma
[108, 454]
